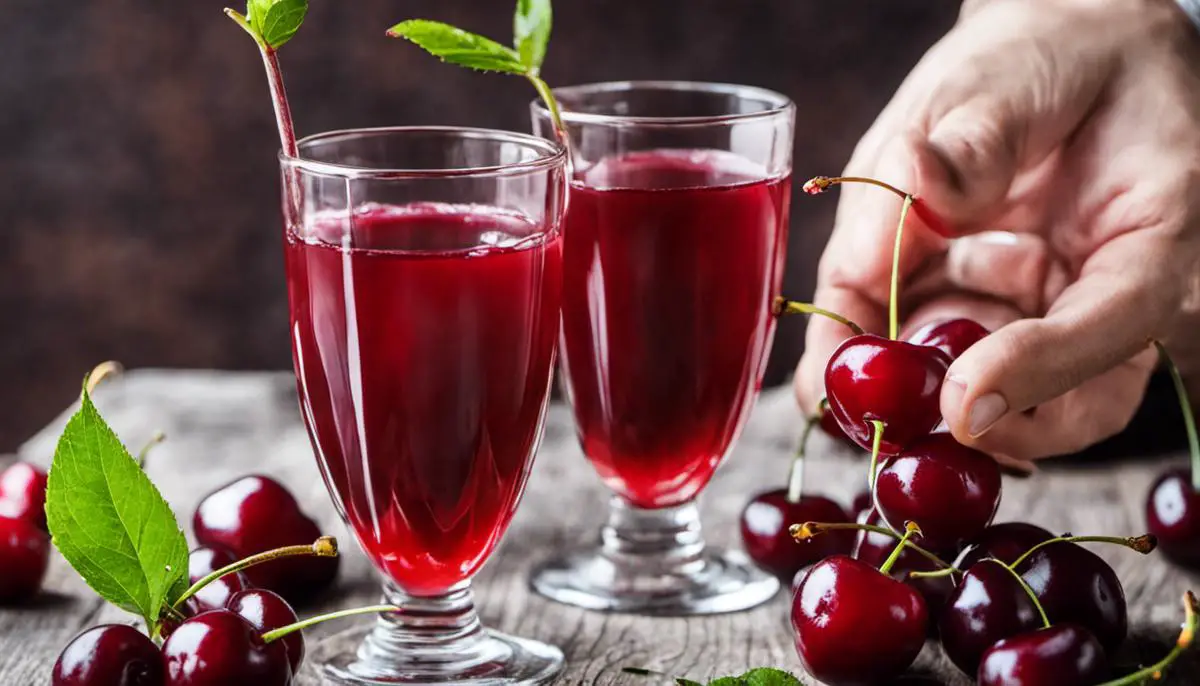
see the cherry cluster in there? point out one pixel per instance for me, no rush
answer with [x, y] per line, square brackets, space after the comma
[218, 633]
[24, 541]
[1011, 603]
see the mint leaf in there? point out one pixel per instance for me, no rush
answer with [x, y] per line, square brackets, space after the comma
[531, 32]
[273, 22]
[110, 522]
[256, 13]
[459, 47]
[282, 21]
[727, 681]
[769, 676]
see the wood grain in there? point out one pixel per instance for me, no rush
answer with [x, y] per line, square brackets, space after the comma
[223, 425]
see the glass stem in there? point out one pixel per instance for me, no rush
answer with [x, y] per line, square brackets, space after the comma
[426, 630]
[633, 534]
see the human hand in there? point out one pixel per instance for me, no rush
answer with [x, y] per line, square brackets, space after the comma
[1061, 140]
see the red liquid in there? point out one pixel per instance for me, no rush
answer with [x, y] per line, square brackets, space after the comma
[424, 357]
[672, 259]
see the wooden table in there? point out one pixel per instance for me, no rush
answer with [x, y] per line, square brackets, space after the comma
[223, 425]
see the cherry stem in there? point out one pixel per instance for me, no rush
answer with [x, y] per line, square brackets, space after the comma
[1187, 634]
[875, 441]
[1189, 419]
[1144, 544]
[910, 529]
[796, 474]
[157, 438]
[325, 546]
[894, 295]
[100, 373]
[818, 184]
[805, 531]
[784, 306]
[1028, 591]
[276, 634]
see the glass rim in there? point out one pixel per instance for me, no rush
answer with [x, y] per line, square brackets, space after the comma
[778, 103]
[549, 154]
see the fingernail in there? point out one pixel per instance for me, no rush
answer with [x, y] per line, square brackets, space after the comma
[985, 412]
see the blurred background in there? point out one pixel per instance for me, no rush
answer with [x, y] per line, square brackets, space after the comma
[139, 201]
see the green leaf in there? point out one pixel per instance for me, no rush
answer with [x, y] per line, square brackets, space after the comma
[769, 676]
[727, 681]
[110, 522]
[256, 13]
[282, 21]
[459, 47]
[531, 32]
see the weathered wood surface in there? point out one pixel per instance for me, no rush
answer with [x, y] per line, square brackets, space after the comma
[223, 425]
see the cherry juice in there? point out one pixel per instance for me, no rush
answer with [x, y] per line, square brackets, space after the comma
[423, 338]
[671, 261]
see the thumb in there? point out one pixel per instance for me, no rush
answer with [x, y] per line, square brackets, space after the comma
[966, 163]
[1099, 322]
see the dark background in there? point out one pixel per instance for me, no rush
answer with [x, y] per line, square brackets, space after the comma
[138, 180]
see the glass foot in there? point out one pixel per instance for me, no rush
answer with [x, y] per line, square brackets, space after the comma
[655, 562]
[434, 641]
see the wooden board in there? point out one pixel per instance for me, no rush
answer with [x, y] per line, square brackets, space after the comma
[224, 425]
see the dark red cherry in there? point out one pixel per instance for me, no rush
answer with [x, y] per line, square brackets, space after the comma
[854, 625]
[24, 556]
[267, 612]
[109, 655]
[1005, 542]
[988, 605]
[1075, 585]
[221, 648]
[23, 493]
[874, 549]
[1062, 655]
[256, 514]
[1173, 515]
[951, 336]
[829, 425]
[204, 561]
[951, 491]
[765, 522]
[898, 383]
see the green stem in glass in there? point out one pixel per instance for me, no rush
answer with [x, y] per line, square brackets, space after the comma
[547, 96]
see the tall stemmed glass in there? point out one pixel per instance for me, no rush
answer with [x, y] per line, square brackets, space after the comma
[675, 241]
[424, 276]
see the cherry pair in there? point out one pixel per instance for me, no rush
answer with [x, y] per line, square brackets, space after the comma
[253, 515]
[24, 544]
[221, 646]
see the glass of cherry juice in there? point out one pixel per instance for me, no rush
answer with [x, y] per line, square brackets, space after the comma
[424, 278]
[675, 241]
